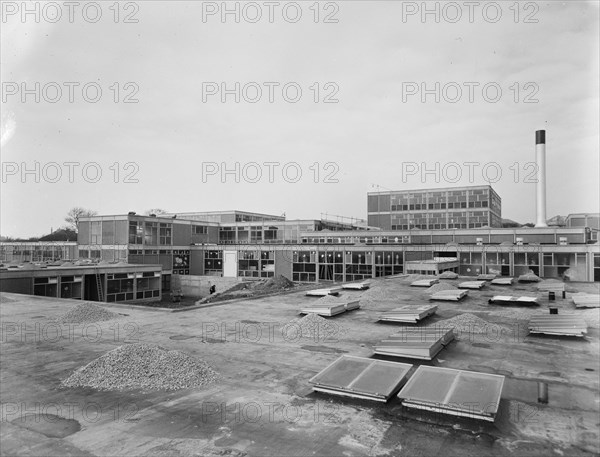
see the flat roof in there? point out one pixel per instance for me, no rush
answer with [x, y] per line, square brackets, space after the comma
[162, 218]
[38, 243]
[440, 189]
[470, 231]
[230, 211]
[268, 404]
[32, 270]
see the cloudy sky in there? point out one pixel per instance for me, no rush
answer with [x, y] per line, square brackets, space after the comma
[456, 92]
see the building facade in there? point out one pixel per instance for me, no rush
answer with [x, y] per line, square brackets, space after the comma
[194, 247]
[321, 251]
[80, 281]
[435, 209]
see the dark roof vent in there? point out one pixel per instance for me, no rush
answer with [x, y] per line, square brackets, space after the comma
[152, 215]
[131, 213]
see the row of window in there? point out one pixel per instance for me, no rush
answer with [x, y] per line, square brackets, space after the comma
[157, 233]
[434, 206]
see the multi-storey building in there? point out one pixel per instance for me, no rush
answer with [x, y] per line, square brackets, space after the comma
[195, 247]
[435, 209]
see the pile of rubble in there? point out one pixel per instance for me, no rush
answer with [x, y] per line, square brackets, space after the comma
[448, 275]
[274, 284]
[467, 324]
[250, 289]
[87, 313]
[143, 366]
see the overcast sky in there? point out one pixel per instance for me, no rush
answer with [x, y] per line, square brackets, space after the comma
[373, 63]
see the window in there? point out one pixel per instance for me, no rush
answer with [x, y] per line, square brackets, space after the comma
[200, 230]
[181, 262]
[227, 235]
[213, 262]
[166, 231]
[151, 233]
[96, 232]
[256, 235]
[135, 232]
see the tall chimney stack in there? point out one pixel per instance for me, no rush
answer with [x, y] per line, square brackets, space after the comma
[540, 160]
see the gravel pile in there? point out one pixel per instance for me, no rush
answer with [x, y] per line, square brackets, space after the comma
[590, 316]
[278, 282]
[448, 275]
[313, 326]
[85, 313]
[391, 290]
[439, 287]
[467, 323]
[529, 277]
[143, 366]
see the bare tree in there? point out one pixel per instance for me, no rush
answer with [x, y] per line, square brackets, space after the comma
[157, 211]
[76, 213]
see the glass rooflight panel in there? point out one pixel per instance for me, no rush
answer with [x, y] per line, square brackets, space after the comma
[429, 384]
[341, 372]
[381, 378]
[477, 392]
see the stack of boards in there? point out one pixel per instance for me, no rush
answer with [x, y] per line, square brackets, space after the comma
[328, 308]
[503, 281]
[508, 300]
[486, 277]
[582, 300]
[551, 286]
[415, 343]
[408, 314]
[360, 377]
[456, 392]
[324, 292]
[449, 295]
[356, 286]
[471, 285]
[557, 324]
[424, 282]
